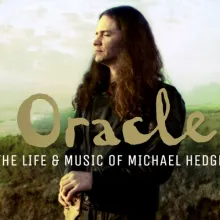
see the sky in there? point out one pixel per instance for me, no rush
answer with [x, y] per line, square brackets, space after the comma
[46, 45]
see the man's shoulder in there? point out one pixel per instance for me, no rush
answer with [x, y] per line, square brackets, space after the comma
[174, 95]
[171, 90]
[168, 87]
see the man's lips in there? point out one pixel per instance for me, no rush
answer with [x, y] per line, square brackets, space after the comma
[98, 51]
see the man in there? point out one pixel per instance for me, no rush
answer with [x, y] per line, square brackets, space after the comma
[122, 83]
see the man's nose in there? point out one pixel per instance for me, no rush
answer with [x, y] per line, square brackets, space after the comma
[97, 41]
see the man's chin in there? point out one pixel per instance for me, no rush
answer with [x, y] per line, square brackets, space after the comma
[99, 59]
[102, 60]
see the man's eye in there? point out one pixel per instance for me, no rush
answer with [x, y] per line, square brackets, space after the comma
[107, 35]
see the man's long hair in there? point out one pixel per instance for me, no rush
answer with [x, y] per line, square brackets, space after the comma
[140, 67]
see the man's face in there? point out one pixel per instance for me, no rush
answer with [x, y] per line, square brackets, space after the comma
[107, 42]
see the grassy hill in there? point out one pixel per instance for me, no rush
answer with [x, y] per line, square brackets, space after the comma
[30, 193]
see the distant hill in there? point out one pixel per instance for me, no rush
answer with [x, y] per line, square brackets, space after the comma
[45, 123]
[205, 95]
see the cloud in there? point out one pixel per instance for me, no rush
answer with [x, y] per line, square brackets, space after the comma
[35, 11]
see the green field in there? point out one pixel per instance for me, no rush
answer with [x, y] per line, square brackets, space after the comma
[192, 192]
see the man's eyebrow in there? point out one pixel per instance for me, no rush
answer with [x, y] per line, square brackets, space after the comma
[103, 31]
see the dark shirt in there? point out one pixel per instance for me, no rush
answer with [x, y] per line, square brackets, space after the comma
[128, 190]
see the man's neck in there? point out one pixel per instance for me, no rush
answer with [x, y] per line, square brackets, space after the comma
[113, 73]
